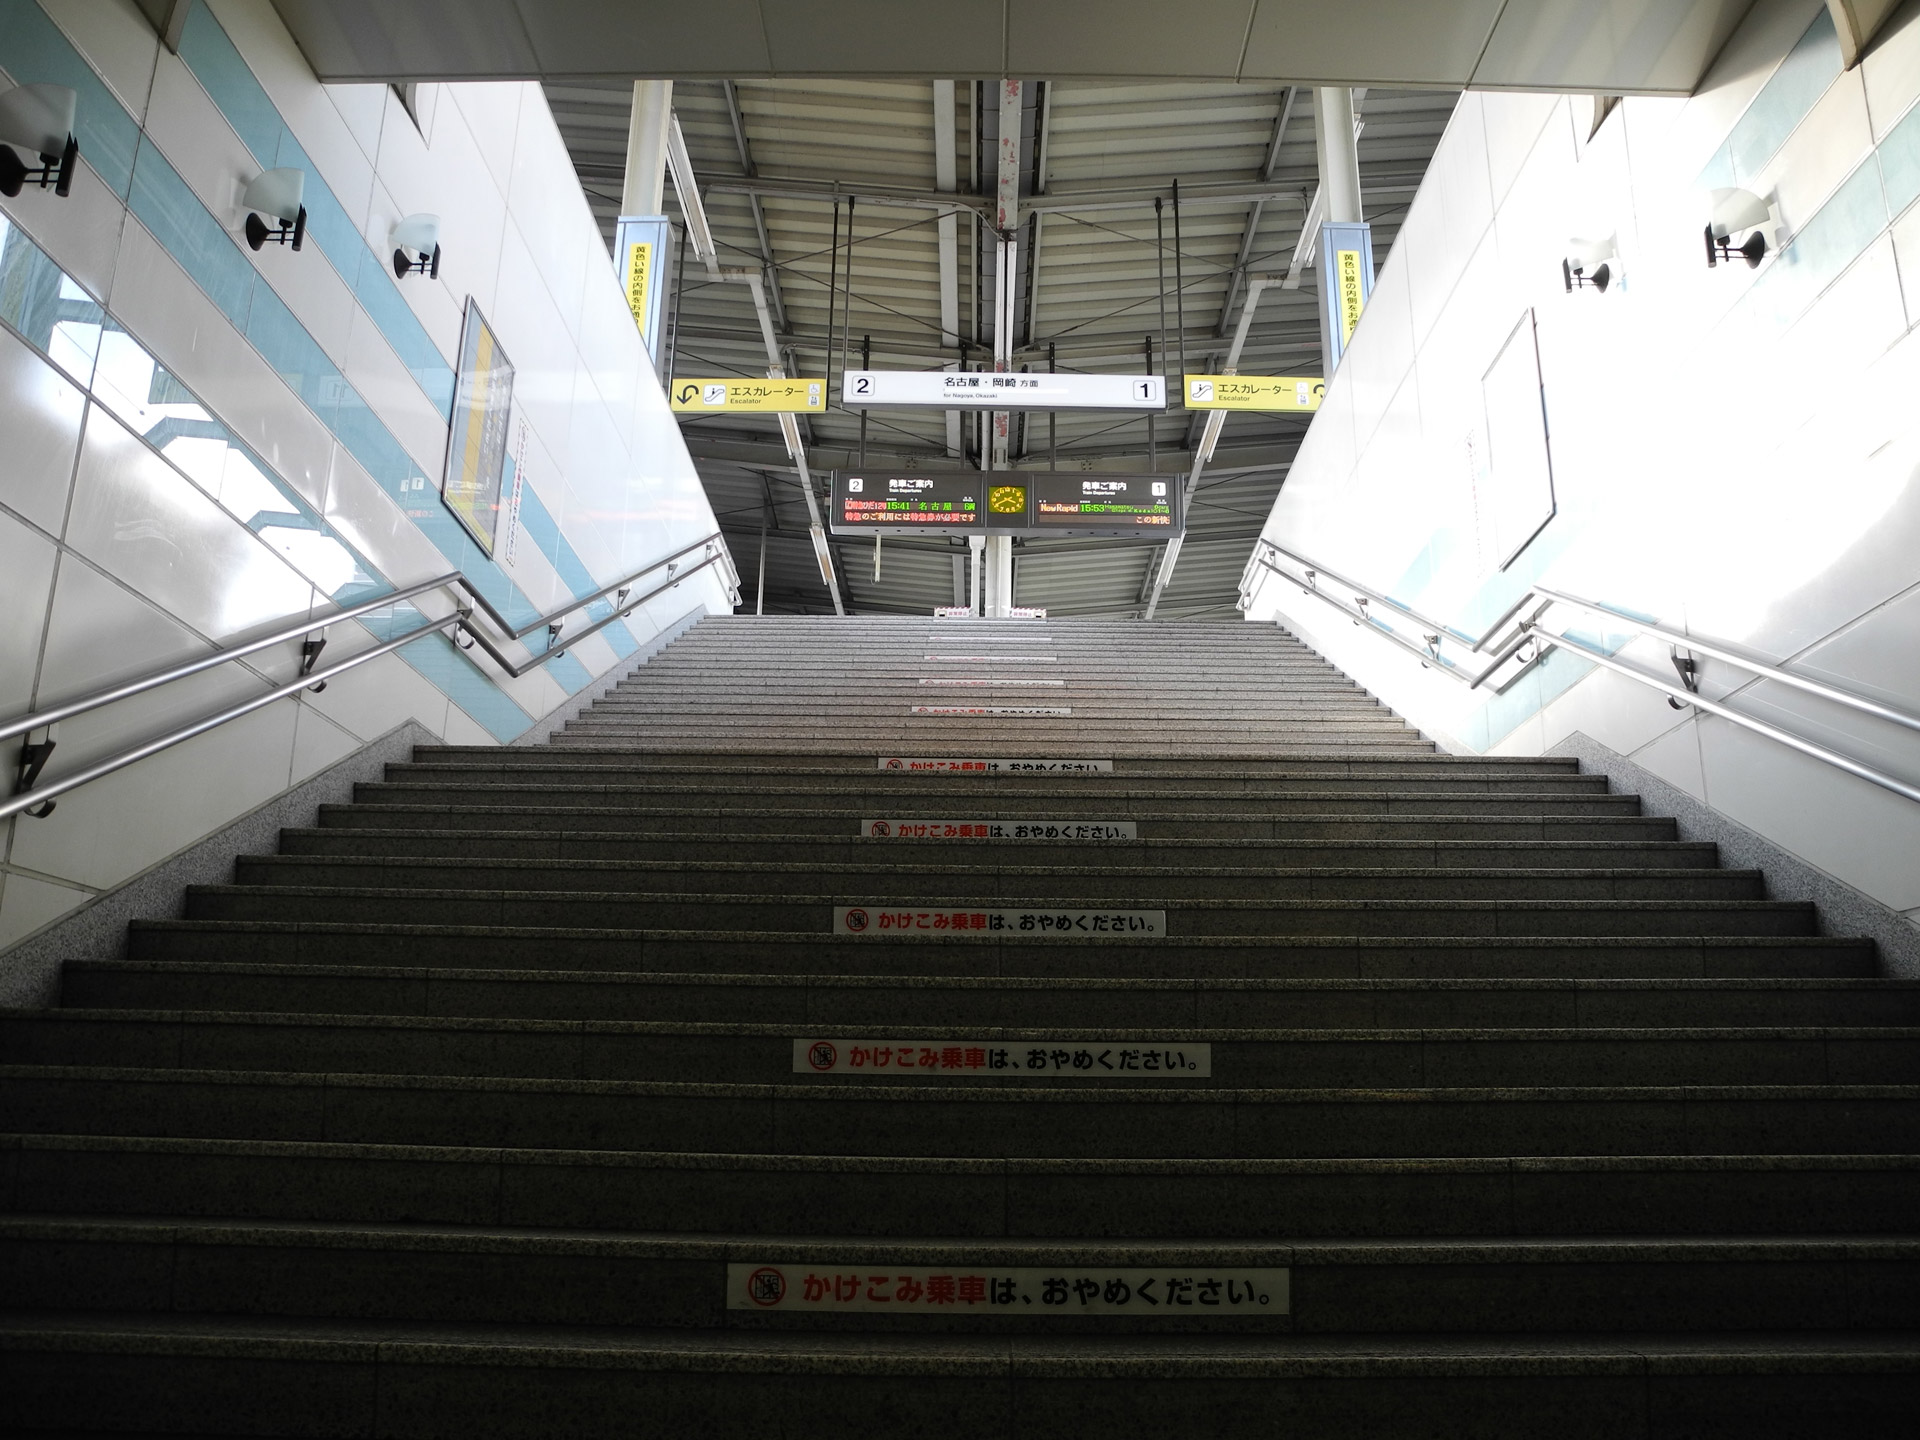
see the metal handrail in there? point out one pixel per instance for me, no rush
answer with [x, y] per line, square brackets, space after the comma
[1758, 667]
[1759, 727]
[43, 795]
[627, 604]
[31, 796]
[1432, 630]
[670, 559]
[219, 657]
[1528, 629]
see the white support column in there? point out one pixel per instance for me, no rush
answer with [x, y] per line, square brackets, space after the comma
[644, 192]
[1339, 151]
[1006, 278]
[946, 181]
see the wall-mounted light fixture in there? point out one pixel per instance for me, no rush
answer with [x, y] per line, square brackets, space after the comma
[1735, 212]
[1590, 265]
[276, 193]
[419, 234]
[38, 119]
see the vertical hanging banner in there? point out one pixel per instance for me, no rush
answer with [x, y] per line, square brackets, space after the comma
[477, 439]
[1346, 283]
[640, 251]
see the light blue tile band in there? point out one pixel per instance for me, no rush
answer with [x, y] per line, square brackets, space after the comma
[44, 306]
[167, 206]
[217, 65]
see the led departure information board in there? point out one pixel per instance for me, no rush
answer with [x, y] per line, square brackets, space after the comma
[941, 503]
[1002, 502]
[1065, 502]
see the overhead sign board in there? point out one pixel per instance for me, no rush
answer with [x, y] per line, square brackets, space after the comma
[1018, 502]
[987, 390]
[746, 396]
[1297, 394]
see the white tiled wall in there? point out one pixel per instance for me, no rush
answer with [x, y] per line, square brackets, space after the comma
[1736, 453]
[113, 563]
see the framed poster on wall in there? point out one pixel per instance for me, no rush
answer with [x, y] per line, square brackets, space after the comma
[477, 441]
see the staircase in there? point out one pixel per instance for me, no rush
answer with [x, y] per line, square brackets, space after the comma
[1286, 1078]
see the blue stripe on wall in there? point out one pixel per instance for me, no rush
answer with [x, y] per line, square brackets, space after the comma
[214, 60]
[1783, 102]
[167, 206]
[34, 52]
[211, 56]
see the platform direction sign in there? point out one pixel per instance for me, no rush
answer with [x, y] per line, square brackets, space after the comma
[1297, 394]
[740, 395]
[987, 390]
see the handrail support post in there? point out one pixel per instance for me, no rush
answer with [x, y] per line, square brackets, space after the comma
[34, 755]
[310, 649]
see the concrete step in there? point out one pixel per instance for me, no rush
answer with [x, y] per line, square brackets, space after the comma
[1053, 801]
[1093, 878]
[329, 1378]
[839, 822]
[760, 912]
[941, 1000]
[705, 845]
[758, 1053]
[680, 1282]
[587, 770]
[1033, 1122]
[616, 951]
[1005, 735]
[917, 1196]
[862, 762]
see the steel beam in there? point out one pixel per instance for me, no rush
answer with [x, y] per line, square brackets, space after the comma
[739, 120]
[1253, 216]
[1209, 438]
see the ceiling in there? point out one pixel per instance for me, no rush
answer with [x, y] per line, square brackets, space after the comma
[1650, 46]
[812, 130]
[1096, 263]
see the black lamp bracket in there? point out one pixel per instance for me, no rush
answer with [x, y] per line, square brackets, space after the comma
[290, 233]
[54, 171]
[428, 264]
[1721, 247]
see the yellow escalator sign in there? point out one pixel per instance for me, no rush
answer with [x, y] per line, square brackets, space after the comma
[1254, 392]
[765, 397]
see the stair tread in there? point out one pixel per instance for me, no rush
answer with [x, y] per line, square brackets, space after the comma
[830, 1029]
[987, 1356]
[938, 1250]
[559, 1156]
[1443, 1135]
